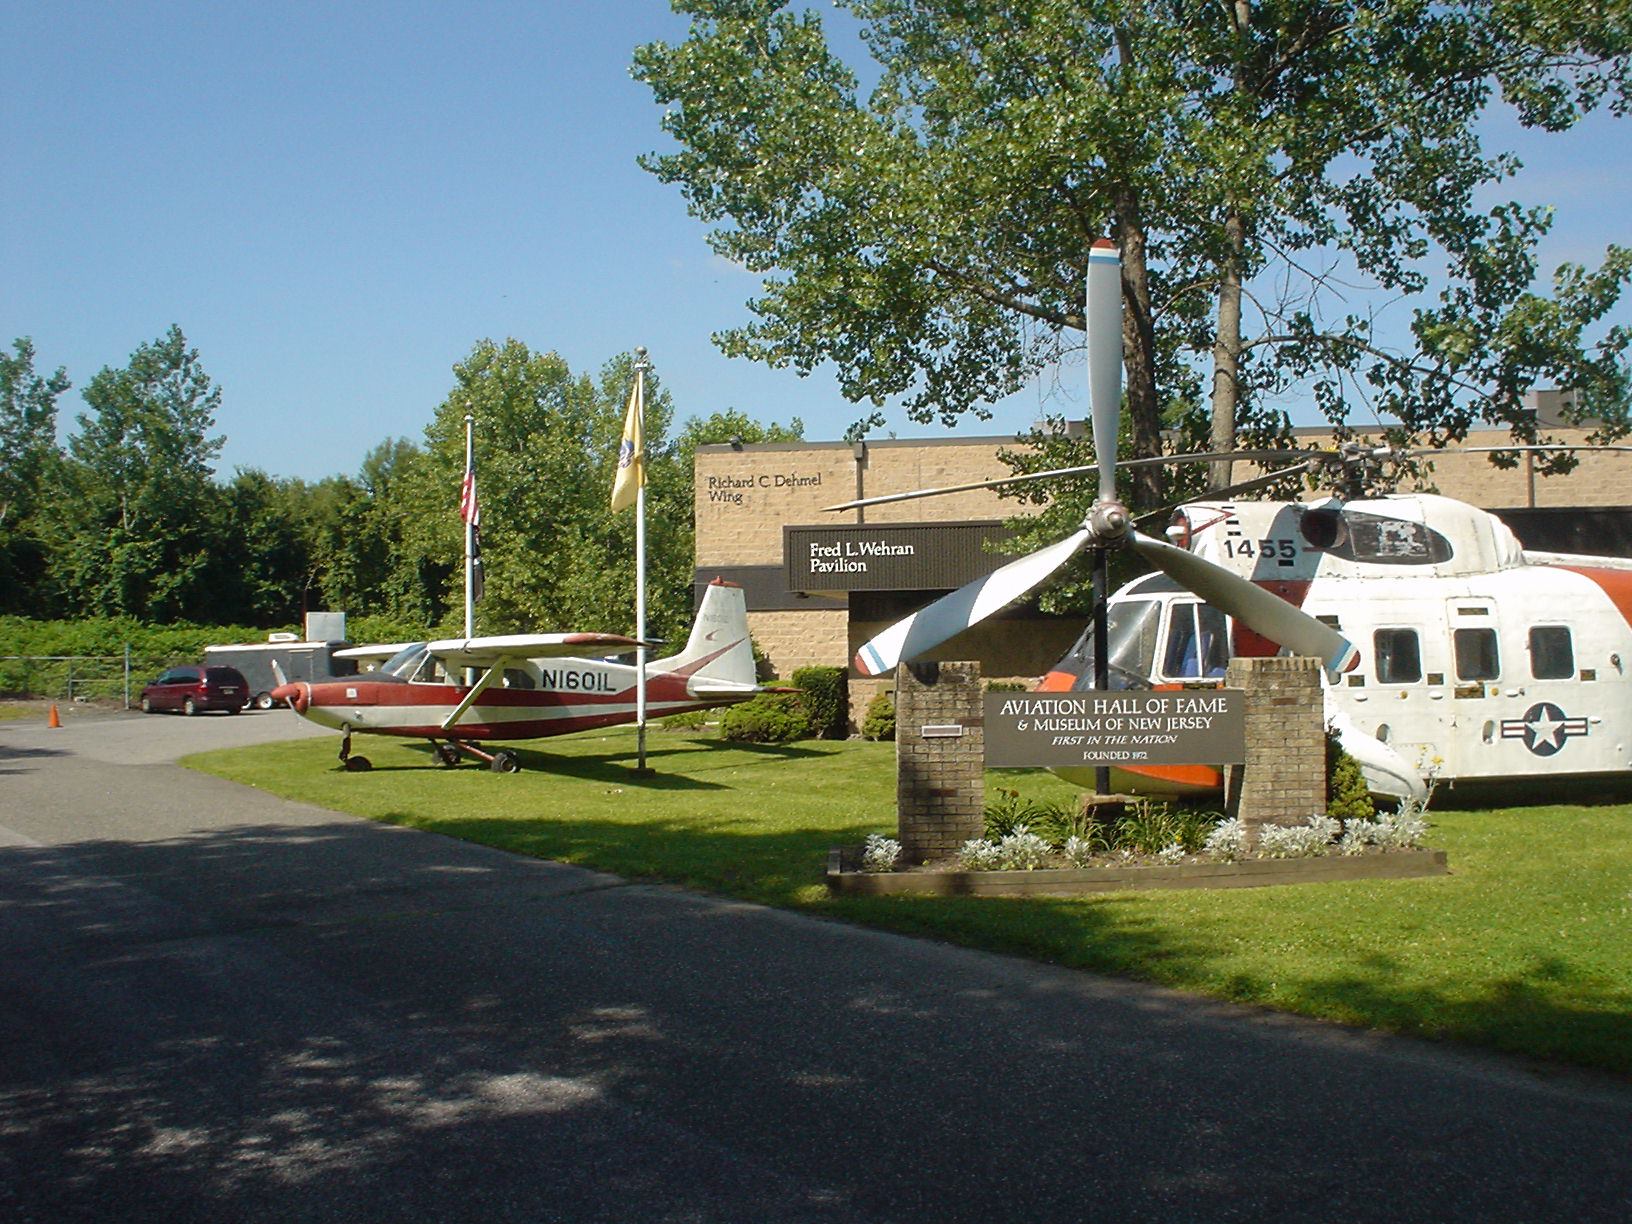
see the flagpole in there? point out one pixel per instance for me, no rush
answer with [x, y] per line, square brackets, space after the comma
[641, 367]
[470, 532]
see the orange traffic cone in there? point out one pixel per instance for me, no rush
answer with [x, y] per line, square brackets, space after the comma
[53, 719]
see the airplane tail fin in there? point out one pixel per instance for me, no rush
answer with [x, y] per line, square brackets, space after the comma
[718, 658]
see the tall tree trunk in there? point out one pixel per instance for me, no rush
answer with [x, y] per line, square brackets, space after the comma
[1227, 349]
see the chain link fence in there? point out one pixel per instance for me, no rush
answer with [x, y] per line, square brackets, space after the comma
[86, 678]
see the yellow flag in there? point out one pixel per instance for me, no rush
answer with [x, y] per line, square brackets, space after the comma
[631, 453]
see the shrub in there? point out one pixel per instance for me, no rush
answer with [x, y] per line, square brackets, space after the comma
[1347, 796]
[1150, 827]
[977, 854]
[826, 691]
[1227, 841]
[1009, 811]
[1079, 851]
[879, 724]
[1022, 850]
[770, 718]
[880, 853]
[686, 720]
[1308, 840]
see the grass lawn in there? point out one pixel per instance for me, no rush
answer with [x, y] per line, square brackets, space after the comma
[1525, 947]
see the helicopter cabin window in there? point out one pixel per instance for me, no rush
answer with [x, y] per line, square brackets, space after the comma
[1398, 655]
[1197, 641]
[1552, 654]
[1131, 628]
[1476, 657]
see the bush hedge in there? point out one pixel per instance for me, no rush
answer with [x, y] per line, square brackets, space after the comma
[770, 718]
[826, 691]
[879, 722]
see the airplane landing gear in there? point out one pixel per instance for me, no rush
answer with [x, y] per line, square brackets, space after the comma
[447, 754]
[349, 763]
[504, 762]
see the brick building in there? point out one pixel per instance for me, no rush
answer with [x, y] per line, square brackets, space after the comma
[821, 583]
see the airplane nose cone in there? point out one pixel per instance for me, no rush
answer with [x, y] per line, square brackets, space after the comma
[296, 694]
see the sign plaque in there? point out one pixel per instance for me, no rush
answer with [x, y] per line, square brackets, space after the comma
[1120, 727]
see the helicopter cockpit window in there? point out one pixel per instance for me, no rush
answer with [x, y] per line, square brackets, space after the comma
[1197, 641]
[1374, 538]
[1398, 655]
[1552, 654]
[1476, 654]
[1130, 635]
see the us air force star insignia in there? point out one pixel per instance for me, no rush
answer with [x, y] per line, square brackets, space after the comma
[1544, 728]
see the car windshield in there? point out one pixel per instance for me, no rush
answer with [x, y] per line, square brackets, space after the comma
[406, 661]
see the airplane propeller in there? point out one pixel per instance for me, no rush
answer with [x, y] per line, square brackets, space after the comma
[1108, 524]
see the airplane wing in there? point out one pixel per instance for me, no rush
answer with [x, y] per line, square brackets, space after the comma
[457, 653]
[376, 653]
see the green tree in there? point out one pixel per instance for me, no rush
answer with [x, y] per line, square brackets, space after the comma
[930, 240]
[28, 458]
[546, 450]
[140, 496]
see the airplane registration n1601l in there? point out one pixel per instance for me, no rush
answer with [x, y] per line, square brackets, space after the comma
[531, 685]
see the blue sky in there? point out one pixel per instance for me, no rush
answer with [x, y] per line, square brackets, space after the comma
[336, 202]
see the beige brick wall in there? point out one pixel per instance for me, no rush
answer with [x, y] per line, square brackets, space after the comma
[1283, 780]
[793, 640]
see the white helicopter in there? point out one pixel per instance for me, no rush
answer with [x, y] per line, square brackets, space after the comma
[531, 685]
[1451, 654]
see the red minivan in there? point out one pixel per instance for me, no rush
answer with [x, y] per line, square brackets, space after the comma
[194, 689]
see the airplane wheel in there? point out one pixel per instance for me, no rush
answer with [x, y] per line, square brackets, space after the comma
[505, 762]
[358, 764]
[448, 755]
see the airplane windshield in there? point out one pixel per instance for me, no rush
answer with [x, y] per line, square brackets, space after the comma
[406, 661]
[1130, 635]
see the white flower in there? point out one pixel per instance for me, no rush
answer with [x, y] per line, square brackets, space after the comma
[977, 854]
[880, 853]
[1022, 850]
[1171, 854]
[1079, 851]
[1227, 841]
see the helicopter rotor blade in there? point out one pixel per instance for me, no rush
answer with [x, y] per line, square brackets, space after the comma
[970, 604]
[1103, 318]
[1262, 611]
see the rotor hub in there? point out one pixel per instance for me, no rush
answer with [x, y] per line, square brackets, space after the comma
[1109, 523]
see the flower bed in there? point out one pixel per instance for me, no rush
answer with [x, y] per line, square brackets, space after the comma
[844, 874]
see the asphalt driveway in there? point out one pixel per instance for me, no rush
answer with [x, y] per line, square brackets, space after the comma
[218, 1005]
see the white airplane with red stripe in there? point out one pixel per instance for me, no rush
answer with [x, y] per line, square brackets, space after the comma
[529, 686]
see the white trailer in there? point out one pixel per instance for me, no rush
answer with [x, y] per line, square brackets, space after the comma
[299, 660]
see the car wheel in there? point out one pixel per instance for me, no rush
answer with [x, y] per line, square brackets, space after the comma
[235, 709]
[505, 762]
[189, 707]
[263, 701]
[147, 705]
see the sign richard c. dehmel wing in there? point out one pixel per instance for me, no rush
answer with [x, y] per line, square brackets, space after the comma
[1120, 727]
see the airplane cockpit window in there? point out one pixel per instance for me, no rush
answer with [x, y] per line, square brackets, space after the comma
[1476, 654]
[1130, 635]
[1197, 641]
[1552, 654]
[406, 661]
[1398, 655]
[516, 678]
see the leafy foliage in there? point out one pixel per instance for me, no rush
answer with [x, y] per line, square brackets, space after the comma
[1347, 797]
[826, 691]
[928, 238]
[770, 718]
[879, 722]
